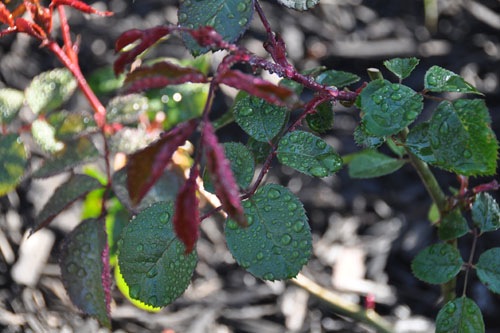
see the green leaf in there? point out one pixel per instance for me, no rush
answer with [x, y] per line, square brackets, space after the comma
[11, 101]
[419, 144]
[277, 242]
[75, 152]
[104, 80]
[260, 150]
[401, 67]
[461, 138]
[452, 225]
[125, 290]
[81, 262]
[433, 214]
[396, 147]
[67, 193]
[299, 4]
[49, 90]
[116, 220]
[486, 213]
[152, 259]
[388, 107]
[370, 163]
[260, 119]
[44, 135]
[461, 315]
[438, 79]
[309, 154]
[322, 120]
[126, 109]
[335, 78]
[13, 161]
[242, 165]
[437, 264]
[365, 139]
[488, 269]
[70, 125]
[230, 18]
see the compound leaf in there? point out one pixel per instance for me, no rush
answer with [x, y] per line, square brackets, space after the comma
[260, 119]
[277, 242]
[437, 264]
[13, 161]
[488, 269]
[461, 315]
[74, 153]
[370, 163]
[230, 18]
[401, 67]
[388, 107]
[461, 138]
[11, 101]
[75, 188]
[83, 269]
[49, 90]
[452, 225]
[242, 165]
[486, 213]
[152, 259]
[308, 154]
[438, 79]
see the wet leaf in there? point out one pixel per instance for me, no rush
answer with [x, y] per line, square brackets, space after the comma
[308, 154]
[452, 225]
[461, 138]
[49, 90]
[13, 162]
[365, 139]
[76, 152]
[436, 264]
[388, 107]
[230, 18]
[337, 79]
[461, 315]
[322, 120]
[488, 269]
[242, 165]
[401, 67]
[277, 242]
[370, 163]
[299, 4]
[11, 101]
[44, 135]
[67, 193]
[152, 259]
[486, 213]
[83, 272]
[260, 119]
[146, 166]
[126, 109]
[187, 216]
[419, 144]
[223, 180]
[438, 79]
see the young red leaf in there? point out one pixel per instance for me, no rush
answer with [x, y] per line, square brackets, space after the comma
[148, 37]
[219, 169]
[79, 5]
[160, 75]
[187, 216]
[146, 166]
[256, 86]
[41, 15]
[30, 28]
[6, 16]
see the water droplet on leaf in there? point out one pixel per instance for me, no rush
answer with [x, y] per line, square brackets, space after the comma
[286, 239]
[273, 194]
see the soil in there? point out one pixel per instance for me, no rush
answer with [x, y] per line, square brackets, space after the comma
[366, 232]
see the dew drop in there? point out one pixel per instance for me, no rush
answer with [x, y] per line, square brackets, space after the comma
[139, 248]
[292, 206]
[134, 291]
[332, 162]
[231, 224]
[295, 254]
[245, 264]
[152, 272]
[273, 193]
[411, 115]
[243, 21]
[249, 220]
[396, 97]
[395, 86]
[321, 144]
[276, 250]
[467, 154]
[286, 239]
[451, 308]
[241, 7]
[298, 226]
[267, 208]
[246, 112]
[303, 244]
[260, 256]
[444, 128]
[382, 121]
[268, 276]
[318, 171]
[377, 99]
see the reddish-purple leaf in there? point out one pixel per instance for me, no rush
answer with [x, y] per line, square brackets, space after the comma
[146, 166]
[84, 272]
[30, 28]
[160, 75]
[219, 169]
[79, 5]
[258, 87]
[41, 15]
[6, 16]
[187, 216]
[148, 37]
